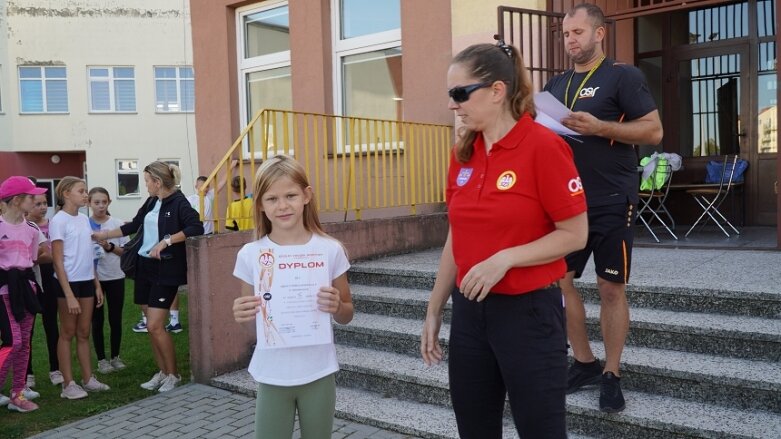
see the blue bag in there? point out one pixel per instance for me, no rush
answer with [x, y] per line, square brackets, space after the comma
[714, 171]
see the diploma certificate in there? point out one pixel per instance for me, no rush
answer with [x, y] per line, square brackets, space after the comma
[289, 280]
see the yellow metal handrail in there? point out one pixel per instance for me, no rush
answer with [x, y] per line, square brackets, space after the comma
[354, 164]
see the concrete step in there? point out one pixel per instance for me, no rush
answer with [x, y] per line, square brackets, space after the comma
[405, 378]
[755, 338]
[407, 303]
[716, 301]
[705, 300]
[416, 419]
[735, 382]
[650, 416]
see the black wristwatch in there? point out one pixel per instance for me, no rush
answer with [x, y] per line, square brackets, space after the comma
[111, 247]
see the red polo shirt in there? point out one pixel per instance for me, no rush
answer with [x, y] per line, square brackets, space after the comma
[510, 197]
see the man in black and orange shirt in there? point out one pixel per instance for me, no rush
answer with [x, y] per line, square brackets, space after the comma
[613, 110]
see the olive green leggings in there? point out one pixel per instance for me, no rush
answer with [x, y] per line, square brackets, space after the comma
[276, 408]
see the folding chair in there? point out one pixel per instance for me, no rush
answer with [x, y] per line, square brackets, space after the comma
[652, 200]
[710, 199]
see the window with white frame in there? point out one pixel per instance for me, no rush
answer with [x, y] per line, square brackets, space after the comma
[128, 178]
[112, 89]
[174, 89]
[264, 61]
[43, 89]
[368, 60]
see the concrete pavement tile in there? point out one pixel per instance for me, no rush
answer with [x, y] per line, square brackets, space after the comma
[219, 433]
[166, 428]
[244, 420]
[198, 425]
[247, 430]
[141, 432]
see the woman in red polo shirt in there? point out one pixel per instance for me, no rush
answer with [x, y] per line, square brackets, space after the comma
[516, 208]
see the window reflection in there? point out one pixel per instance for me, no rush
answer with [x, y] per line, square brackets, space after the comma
[710, 92]
[267, 32]
[715, 24]
[766, 18]
[767, 102]
[372, 84]
[361, 17]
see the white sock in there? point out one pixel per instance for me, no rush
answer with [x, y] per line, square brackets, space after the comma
[143, 317]
[174, 316]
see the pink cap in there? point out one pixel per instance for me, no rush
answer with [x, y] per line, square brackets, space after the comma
[18, 185]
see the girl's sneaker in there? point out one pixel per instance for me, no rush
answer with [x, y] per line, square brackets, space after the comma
[20, 404]
[56, 377]
[30, 380]
[104, 366]
[140, 326]
[155, 382]
[169, 383]
[117, 363]
[4, 400]
[73, 391]
[93, 385]
[30, 394]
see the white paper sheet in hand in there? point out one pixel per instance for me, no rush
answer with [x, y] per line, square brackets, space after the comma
[550, 112]
[289, 283]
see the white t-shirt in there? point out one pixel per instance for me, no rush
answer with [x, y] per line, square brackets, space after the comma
[108, 264]
[195, 202]
[76, 235]
[296, 365]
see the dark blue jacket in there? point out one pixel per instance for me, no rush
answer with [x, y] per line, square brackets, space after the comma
[176, 215]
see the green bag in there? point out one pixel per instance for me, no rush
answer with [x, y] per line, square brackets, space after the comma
[658, 178]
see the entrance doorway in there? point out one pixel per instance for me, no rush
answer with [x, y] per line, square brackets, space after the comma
[713, 73]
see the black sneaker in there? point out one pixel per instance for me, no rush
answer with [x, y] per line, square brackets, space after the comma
[611, 399]
[580, 375]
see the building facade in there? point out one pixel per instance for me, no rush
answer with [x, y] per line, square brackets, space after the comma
[710, 65]
[97, 89]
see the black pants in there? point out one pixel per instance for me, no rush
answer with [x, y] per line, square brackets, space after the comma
[509, 345]
[48, 299]
[114, 299]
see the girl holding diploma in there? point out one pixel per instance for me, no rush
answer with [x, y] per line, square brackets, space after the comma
[290, 377]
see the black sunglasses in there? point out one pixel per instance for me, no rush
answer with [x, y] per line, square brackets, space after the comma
[461, 94]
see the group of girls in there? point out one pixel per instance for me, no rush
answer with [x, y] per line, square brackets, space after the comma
[53, 267]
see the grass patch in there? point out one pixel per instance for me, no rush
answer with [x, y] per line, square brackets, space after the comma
[135, 351]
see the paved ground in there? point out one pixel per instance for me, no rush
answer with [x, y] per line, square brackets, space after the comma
[191, 411]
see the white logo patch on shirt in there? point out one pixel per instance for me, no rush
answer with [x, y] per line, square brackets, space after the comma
[588, 92]
[463, 176]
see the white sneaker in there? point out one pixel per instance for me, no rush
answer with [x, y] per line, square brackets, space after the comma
[155, 382]
[169, 383]
[4, 400]
[93, 385]
[73, 391]
[56, 377]
[117, 363]
[104, 366]
[30, 381]
[30, 394]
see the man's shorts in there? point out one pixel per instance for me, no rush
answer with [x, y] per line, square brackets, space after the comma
[83, 289]
[147, 291]
[610, 238]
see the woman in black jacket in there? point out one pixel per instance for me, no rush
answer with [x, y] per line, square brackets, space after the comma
[168, 220]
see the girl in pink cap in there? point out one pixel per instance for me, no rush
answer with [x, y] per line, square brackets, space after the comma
[19, 241]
